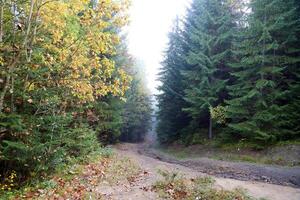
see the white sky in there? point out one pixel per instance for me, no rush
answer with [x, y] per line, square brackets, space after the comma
[151, 21]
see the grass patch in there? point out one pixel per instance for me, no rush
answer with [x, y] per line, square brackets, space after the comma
[121, 169]
[290, 142]
[175, 186]
[241, 152]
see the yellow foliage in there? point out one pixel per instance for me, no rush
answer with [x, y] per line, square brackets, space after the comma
[1, 61]
[218, 114]
[8, 182]
[80, 44]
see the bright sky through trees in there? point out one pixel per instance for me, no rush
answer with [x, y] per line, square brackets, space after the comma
[151, 20]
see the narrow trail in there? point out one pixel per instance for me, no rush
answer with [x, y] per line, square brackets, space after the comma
[151, 164]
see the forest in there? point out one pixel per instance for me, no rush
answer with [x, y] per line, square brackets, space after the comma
[231, 73]
[78, 120]
[67, 83]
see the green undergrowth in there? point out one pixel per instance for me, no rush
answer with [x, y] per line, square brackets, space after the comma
[238, 152]
[81, 178]
[65, 171]
[175, 186]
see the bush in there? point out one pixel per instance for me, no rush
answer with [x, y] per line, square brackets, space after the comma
[47, 142]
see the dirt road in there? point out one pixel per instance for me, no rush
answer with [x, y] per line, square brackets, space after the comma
[286, 176]
[152, 164]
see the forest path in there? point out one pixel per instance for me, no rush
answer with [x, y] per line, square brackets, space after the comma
[151, 165]
[244, 171]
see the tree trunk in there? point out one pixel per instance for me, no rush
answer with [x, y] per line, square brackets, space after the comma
[25, 44]
[8, 80]
[210, 133]
[3, 93]
[38, 4]
[1, 21]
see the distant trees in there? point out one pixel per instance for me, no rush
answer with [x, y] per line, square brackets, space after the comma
[137, 109]
[238, 68]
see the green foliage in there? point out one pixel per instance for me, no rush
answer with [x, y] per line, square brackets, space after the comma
[171, 119]
[64, 73]
[51, 142]
[137, 108]
[106, 120]
[10, 122]
[193, 135]
[265, 73]
[210, 30]
[234, 71]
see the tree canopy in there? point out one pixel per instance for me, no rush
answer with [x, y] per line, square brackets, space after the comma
[66, 83]
[234, 67]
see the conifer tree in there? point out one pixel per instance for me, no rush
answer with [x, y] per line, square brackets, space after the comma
[137, 108]
[266, 74]
[209, 31]
[171, 118]
[290, 115]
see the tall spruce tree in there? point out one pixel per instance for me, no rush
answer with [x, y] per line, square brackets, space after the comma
[171, 119]
[209, 31]
[290, 116]
[267, 74]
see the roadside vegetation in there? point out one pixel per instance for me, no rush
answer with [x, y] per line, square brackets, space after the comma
[80, 179]
[68, 87]
[175, 186]
[282, 154]
[269, 156]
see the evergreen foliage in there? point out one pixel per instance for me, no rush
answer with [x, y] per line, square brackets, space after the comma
[64, 73]
[172, 120]
[137, 108]
[106, 120]
[266, 73]
[209, 28]
[233, 66]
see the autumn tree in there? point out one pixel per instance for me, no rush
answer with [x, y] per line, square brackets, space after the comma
[56, 63]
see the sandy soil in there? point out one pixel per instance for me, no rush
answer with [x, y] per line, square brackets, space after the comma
[140, 188]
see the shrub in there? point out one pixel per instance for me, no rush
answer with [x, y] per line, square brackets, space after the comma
[47, 142]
